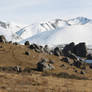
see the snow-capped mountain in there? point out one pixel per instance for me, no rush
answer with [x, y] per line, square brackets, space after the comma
[64, 31]
[79, 20]
[8, 29]
[53, 32]
[33, 29]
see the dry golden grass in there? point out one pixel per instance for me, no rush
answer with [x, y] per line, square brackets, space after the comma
[37, 83]
[12, 55]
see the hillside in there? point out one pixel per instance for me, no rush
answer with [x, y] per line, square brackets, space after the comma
[63, 78]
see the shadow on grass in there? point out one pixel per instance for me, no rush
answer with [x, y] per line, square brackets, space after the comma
[65, 75]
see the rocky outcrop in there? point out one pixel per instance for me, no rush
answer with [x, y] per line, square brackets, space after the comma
[57, 51]
[36, 47]
[43, 65]
[41, 49]
[68, 48]
[2, 39]
[17, 69]
[79, 50]
[46, 49]
[27, 43]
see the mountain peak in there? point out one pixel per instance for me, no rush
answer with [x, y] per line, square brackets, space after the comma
[79, 20]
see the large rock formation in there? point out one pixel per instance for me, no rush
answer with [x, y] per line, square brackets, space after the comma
[79, 49]
[68, 48]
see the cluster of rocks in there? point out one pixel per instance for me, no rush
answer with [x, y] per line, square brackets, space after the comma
[44, 65]
[44, 49]
[3, 40]
[79, 50]
[38, 48]
[11, 68]
[81, 71]
[77, 63]
[71, 50]
[66, 59]
[16, 69]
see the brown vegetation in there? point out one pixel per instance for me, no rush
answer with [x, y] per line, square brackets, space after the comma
[64, 78]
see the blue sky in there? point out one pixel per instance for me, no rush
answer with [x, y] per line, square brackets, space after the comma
[29, 11]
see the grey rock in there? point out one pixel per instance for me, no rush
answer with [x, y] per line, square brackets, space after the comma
[18, 69]
[57, 51]
[44, 66]
[78, 64]
[65, 59]
[36, 47]
[15, 43]
[68, 48]
[27, 43]
[80, 50]
[82, 72]
[2, 39]
[46, 49]
[51, 61]
[27, 53]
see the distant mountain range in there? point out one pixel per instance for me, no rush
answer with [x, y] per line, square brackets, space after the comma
[53, 32]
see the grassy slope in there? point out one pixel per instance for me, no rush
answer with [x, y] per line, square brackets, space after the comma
[11, 55]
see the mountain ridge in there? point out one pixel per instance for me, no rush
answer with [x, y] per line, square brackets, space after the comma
[16, 33]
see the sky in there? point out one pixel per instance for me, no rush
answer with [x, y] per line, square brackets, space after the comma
[31, 11]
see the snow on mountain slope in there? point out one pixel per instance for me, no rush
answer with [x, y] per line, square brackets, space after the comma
[79, 20]
[52, 32]
[8, 29]
[17, 33]
[36, 28]
[55, 24]
[64, 35]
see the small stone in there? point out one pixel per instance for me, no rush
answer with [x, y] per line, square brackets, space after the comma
[51, 62]
[27, 43]
[15, 43]
[82, 72]
[76, 71]
[18, 69]
[65, 59]
[27, 53]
